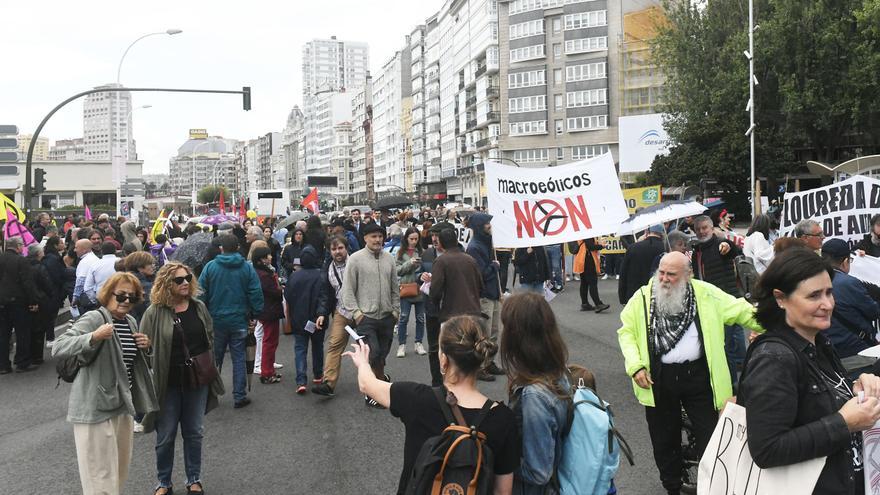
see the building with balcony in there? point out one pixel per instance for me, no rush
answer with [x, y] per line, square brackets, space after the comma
[392, 88]
[361, 173]
[558, 69]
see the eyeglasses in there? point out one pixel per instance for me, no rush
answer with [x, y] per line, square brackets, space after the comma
[186, 278]
[121, 298]
[820, 235]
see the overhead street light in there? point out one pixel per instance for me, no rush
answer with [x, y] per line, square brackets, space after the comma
[116, 160]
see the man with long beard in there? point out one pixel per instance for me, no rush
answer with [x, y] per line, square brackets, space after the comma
[672, 340]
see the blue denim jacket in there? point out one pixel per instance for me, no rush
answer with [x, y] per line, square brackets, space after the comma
[542, 416]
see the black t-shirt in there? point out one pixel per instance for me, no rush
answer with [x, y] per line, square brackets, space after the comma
[196, 340]
[416, 406]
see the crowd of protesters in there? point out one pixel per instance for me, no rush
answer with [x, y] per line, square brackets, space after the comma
[190, 293]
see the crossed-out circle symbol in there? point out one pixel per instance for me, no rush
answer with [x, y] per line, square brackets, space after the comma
[556, 212]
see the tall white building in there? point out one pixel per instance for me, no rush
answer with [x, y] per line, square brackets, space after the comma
[455, 99]
[103, 114]
[392, 90]
[292, 149]
[362, 142]
[332, 72]
[340, 157]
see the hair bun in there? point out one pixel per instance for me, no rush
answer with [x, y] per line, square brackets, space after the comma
[485, 348]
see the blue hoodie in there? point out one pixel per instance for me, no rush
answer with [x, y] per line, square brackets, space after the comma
[231, 290]
[480, 249]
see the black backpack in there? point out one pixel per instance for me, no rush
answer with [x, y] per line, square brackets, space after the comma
[458, 461]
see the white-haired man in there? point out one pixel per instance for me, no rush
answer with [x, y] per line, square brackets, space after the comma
[672, 341]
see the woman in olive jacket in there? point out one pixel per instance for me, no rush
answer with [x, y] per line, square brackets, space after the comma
[113, 384]
[181, 403]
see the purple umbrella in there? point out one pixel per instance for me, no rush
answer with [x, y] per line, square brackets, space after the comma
[218, 219]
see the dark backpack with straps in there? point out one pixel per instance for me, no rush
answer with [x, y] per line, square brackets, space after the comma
[458, 461]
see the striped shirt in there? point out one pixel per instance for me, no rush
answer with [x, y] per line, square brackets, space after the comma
[129, 347]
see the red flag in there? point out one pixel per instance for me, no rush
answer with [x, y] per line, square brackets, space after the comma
[222, 206]
[241, 210]
[311, 201]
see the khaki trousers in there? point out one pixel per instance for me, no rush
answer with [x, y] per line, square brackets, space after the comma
[335, 347]
[493, 310]
[103, 452]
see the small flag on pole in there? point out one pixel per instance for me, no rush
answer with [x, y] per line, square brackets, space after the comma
[14, 228]
[222, 206]
[87, 213]
[311, 201]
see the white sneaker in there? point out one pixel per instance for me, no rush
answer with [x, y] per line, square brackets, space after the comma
[568, 278]
[605, 277]
[138, 428]
[278, 366]
[401, 350]
[420, 349]
[49, 344]
[617, 277]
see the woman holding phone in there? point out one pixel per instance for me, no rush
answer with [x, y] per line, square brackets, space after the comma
[113, 384]
[409, 264]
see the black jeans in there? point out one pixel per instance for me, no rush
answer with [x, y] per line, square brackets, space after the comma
[15, 317]
[504, 261]
[676, 386]
[589, 283]
[432, 325]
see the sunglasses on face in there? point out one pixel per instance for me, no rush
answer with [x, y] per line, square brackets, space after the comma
[121, 298]
[186, 278]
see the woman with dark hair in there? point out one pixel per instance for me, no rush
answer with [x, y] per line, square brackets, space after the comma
[57, 271]
[463, 350]
[409, 264]
[757, 245]
[426, 234]
[143, 266]
[870, 244]
[273, 311]
[534, 356]
[290, 256]
[799, 403]
[315, 236]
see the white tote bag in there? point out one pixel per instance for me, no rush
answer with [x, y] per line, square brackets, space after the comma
[727, 467]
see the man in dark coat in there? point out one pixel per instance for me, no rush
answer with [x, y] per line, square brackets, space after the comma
[18, 297]
[636, 268]
[533, 267]
[852, 321]
[713, 262]
[480, 249]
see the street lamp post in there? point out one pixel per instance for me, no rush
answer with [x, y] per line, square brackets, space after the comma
[750, 107]
[118, 162]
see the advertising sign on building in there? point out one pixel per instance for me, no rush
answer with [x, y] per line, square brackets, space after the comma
[642, 138]
[198, 134]
[540, 206]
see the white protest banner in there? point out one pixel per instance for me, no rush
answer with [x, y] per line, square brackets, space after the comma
[844, 209]
[541, 206]
[727, 466]
[865, 268]
[871, 459]
[464, 234]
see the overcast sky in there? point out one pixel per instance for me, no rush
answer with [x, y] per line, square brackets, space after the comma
[57, 48]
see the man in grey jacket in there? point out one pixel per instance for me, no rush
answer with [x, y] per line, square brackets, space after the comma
[371, 294]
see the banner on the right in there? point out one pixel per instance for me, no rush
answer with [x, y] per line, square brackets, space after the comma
[844, 209]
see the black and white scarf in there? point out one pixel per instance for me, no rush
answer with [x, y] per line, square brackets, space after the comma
[667, 330]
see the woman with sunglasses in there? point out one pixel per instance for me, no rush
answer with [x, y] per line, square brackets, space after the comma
[112, 388]
[179, 325]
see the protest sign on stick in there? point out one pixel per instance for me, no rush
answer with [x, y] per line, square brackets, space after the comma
[843, 209]
[541, 206]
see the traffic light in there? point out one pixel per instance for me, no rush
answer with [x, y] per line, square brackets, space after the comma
[246, 97]
[39, 181]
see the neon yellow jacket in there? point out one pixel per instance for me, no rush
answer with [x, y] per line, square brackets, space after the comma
[715, 309]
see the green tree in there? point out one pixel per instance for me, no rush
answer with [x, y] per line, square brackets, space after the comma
[211, 194]
[816, 63]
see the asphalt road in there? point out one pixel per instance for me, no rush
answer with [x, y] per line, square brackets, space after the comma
[287, 444]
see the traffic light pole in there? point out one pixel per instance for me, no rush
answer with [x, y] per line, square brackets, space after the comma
[245, 92]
